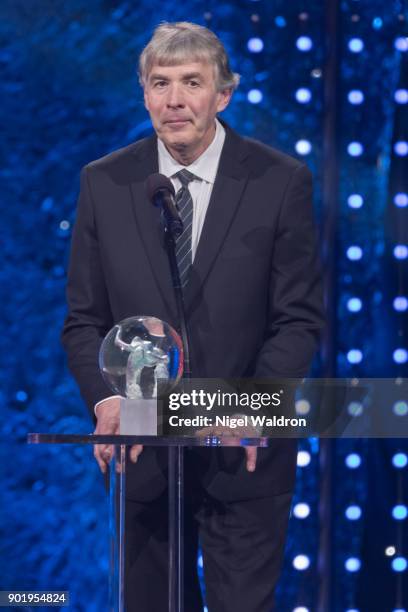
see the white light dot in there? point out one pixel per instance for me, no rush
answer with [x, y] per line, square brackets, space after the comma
[355, 149]
[354, 356]
[64, 225]
[399, 460]
[301, 510]
[304, 43]
[303, 147]
[355, 45]
[355, 200]
[303, 458]
[300, 609]
[355, 408]
[255, 96]
[401, 96]
[390, 551]
[400, 355]
[302, 406]
[353, 513]
[400, 303]
[401, 200]
[301, 562]
[352, 564]
[400, 251]
[401, 43]
[354, 253]
[354, 304]
[399, 564]
[399, 512]
[355, 96]
[255, 45]
[400, 408]
[303, 95]
[401, 148]
[353, 461]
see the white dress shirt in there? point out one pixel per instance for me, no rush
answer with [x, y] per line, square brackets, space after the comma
[205, 169]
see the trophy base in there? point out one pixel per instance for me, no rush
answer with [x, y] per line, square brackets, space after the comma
[138, 417]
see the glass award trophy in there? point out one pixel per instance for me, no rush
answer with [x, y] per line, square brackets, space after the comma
[135, 355]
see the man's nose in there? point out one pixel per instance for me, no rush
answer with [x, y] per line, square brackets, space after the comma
[175, 97]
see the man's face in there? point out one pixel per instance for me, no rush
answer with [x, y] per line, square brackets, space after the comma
[183, 102]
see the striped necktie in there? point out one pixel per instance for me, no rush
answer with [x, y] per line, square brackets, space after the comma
[184, 203]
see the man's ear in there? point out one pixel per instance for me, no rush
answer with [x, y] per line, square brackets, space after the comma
[224, 98]
[146, 99]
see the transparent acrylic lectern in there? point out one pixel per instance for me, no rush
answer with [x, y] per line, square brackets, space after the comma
[117, 500]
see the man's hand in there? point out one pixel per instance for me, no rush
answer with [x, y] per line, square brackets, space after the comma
[228, 436]
[108, 414]
[251, 455]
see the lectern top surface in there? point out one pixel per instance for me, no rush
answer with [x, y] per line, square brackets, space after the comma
[119, 440]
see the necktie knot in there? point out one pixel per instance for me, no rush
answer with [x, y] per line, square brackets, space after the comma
[185, 177]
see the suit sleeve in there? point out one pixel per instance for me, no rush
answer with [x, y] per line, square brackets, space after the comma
[89, 315]
[295, 309]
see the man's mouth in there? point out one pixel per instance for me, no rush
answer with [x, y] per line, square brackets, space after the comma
[178, 121]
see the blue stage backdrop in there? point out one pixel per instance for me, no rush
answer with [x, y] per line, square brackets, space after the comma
[70, 94]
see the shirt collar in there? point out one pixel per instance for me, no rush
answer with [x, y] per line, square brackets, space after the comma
[204, 167]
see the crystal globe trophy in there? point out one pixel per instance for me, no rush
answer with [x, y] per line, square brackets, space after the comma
[140, 359]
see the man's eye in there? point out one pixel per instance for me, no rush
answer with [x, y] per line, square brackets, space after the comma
[160, 84]
[193, 83]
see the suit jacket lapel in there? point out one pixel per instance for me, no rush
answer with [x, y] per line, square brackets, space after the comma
[229, 185]
[148, 220]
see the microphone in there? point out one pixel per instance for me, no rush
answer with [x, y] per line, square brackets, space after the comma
[161, 193]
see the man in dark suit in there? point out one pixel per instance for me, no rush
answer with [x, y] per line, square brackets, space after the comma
[252, 291]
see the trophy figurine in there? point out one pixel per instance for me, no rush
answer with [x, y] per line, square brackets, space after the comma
[142, 354]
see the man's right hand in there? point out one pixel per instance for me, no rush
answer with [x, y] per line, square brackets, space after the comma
[108, 415]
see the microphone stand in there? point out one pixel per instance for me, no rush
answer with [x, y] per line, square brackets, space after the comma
[176, 453]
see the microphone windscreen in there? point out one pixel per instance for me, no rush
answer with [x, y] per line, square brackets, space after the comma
[157, 182]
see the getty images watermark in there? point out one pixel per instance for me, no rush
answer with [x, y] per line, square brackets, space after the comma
[199, 400]
[287, 407]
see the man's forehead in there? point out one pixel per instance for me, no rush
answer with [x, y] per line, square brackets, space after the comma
[203, 69]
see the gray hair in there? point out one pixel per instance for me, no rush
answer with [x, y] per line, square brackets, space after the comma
[177, 43]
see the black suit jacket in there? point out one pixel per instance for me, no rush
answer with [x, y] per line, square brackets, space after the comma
[253, 301]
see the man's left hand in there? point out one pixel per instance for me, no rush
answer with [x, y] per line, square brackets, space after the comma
[228, 436]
